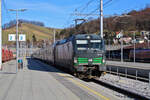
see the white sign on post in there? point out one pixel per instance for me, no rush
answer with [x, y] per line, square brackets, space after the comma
[22, 37]
[11, 37]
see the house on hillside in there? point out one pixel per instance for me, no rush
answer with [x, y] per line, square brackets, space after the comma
[119, 34]
[120, 37]
[145, 34]
[126, 40]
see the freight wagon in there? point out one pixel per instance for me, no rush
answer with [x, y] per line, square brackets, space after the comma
[140, 55]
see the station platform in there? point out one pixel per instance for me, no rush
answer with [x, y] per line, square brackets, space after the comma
[141, 70]
[39, 81]
[136, 65]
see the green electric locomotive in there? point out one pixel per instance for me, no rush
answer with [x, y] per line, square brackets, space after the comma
[82, 54]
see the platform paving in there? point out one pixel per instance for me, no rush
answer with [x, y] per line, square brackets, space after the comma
[38, 81]
[31, 85]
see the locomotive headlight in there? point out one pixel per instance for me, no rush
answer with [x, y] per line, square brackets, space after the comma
[90, 60]
[75, 60]
[103, 60]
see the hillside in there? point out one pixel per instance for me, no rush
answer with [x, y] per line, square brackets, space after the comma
[41, 33]
[136, 21]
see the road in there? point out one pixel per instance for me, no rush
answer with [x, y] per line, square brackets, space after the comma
[39, 81]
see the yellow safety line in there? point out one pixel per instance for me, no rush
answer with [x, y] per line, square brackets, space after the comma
[61, 74]
[83, 86]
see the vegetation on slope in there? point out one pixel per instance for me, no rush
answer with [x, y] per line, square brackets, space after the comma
[39, 32]
[136, 21]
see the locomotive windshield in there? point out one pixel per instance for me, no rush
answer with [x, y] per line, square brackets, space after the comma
[82, 44]
[89, 44]
[95, 44]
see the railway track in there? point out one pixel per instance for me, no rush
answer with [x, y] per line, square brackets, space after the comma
[123, 86]
[132, 88]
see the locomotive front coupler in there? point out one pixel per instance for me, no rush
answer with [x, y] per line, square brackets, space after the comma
[89, 70]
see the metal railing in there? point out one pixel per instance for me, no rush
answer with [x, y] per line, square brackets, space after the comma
[125, 74]
[145, 81]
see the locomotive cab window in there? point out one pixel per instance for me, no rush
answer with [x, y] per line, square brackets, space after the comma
[96, 44]
[82, 44]
[89, 44]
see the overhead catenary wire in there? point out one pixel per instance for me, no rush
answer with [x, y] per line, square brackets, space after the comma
[67, 21]
[87, 4]
[77, 9]
[6, 9]
[85, 7]
[92, 12]
[107, 2]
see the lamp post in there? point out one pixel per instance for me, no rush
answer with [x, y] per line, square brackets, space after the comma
[101, 18]
[0, 38]
[134, 46]
[17, 44]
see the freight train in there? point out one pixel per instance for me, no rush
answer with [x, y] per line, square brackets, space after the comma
[6, 55]
[82, 54]
[141, 55]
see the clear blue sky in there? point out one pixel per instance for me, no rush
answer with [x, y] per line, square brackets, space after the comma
[56, 13]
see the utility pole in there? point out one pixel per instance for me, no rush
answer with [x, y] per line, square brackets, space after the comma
[101, 18]
[121, 50]
[0, 36]
[17, 44]
[148, 40]
[109, 49]
[134, 47]
[31, 47]
[54, 35]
